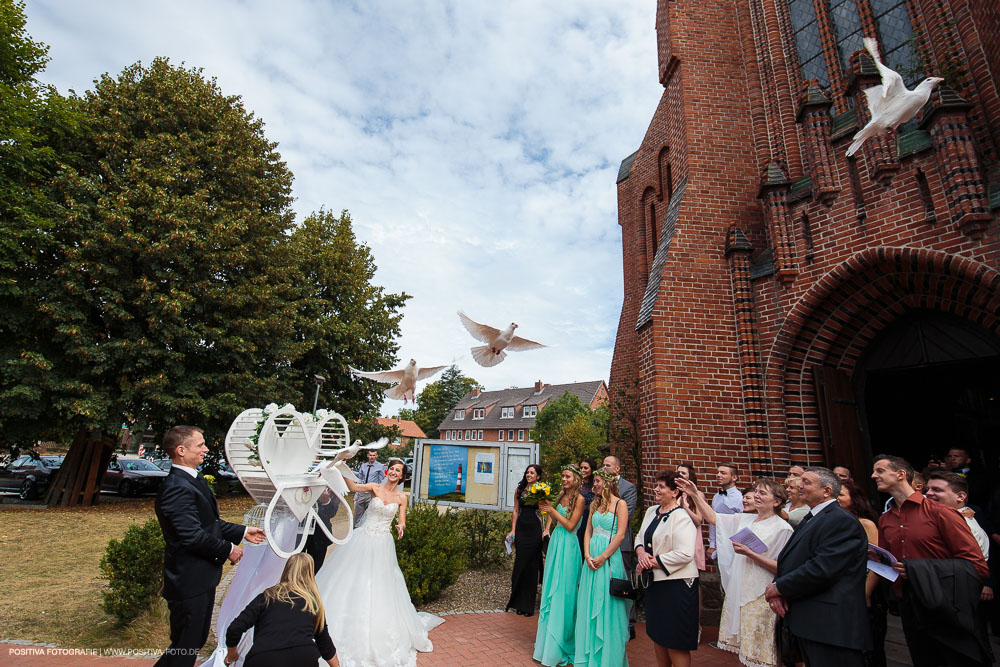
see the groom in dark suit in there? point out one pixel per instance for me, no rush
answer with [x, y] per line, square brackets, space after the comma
[197, 543]
[819, 588]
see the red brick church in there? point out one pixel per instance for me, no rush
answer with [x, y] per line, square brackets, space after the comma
[784, 303]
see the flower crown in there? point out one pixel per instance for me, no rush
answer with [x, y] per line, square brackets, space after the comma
[606, 475]
[573, 469]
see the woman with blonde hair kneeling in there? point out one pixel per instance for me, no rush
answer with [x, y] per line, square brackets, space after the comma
[288, 621]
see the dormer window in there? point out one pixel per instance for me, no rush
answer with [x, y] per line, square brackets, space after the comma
[459, 415]
[507, 413]
[478, 413]
[529, 411]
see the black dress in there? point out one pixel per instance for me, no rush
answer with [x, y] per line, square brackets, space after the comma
[527, 560]
[284, 634]
[588, 495]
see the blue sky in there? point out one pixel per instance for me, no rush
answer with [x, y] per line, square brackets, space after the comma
[475, 144]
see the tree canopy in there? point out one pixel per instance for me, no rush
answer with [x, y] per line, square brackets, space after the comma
[152, 268]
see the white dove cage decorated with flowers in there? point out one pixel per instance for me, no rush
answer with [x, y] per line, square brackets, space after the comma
[288, 461]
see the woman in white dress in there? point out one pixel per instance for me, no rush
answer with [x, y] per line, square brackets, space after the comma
[747, 625]
[372, 621]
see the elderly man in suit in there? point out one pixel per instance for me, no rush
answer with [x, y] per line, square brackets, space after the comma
[627, 492]
[197, 543]
[819, 588]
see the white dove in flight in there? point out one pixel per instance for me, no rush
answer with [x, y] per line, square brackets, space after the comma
[406, 377]
[890, 104]
[496, 341]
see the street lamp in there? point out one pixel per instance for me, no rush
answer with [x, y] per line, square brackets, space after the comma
[319, 380]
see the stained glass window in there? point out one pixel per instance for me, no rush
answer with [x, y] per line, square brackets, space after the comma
[807, 41]
[896, 34]
[847, 29]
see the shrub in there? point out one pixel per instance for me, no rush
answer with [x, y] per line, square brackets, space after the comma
[484, 532]
[431, 553]
[133, 567]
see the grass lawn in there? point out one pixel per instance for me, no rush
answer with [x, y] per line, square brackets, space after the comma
[51, 577]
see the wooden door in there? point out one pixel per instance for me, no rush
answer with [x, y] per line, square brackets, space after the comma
[838, 421]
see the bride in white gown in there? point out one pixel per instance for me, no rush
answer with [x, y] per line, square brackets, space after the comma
[372, 621]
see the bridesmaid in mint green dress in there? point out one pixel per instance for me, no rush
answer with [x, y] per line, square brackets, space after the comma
[557, 618]
[601, 618]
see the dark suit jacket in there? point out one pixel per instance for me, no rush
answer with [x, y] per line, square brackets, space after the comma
[197, 540]
[821, 572]
[627, 492]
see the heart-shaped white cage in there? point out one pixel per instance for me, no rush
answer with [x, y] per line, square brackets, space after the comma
[298, 457]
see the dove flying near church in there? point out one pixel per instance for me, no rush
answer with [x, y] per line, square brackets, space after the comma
[406, 377]
[496, 341]
[890, 104]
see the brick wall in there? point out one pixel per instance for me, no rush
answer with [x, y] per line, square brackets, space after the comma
[751, 297]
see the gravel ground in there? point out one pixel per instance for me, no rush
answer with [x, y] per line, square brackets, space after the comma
[475, 590]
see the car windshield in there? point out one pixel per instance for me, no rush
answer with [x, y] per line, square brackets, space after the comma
[52, 461]
[139, 464]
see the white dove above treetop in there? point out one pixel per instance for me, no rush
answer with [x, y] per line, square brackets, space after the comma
[405, 377]
[496, 341]
[890, 104]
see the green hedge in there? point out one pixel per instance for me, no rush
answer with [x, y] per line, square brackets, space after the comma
[133, 567]
[484, 532]
[432, 551]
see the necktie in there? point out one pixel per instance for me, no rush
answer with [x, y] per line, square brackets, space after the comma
[368, 472]
[808, 517]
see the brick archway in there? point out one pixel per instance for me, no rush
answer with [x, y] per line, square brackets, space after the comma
[833, 323]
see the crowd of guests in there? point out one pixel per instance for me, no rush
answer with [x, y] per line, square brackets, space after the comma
[793, 558]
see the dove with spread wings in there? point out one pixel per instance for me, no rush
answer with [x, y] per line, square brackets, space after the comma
[496, 341]
[890, 104]
[406, 377]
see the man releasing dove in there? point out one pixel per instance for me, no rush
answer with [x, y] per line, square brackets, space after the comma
[406, 377]
[890, 104]
[496, 341]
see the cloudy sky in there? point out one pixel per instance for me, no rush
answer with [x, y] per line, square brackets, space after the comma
[475, 144]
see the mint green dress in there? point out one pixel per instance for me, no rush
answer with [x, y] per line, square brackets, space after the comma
[557, 617]
[601, 619]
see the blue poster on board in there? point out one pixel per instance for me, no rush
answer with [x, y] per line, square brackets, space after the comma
[449, 468]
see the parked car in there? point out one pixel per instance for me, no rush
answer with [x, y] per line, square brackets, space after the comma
[29, 475]
[407, 468]
[130, 477]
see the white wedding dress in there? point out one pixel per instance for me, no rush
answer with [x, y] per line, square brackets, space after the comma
[372, 621]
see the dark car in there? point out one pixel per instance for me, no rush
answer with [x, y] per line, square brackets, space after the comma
[162, 464]
[131, 477]
[29, 475]
[225, 477]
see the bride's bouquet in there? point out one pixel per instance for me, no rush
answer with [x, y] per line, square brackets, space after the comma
[535, 492]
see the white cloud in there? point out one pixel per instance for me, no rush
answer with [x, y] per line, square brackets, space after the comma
[475, 144]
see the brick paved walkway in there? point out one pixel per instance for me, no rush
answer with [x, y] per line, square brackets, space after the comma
[465, 640]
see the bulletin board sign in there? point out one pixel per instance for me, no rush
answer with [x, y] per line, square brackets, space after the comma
[475, 474]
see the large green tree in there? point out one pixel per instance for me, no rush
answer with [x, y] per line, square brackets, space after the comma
[172, 298]
[168, 283]
[438, 398]
[37, 130]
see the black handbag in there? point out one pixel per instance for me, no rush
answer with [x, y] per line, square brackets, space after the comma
[788, 645]
[621, 588]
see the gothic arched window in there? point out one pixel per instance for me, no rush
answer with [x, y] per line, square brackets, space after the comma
[807, 40]
[838, 31]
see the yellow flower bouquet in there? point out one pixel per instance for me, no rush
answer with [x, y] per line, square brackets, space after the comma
[535, 492]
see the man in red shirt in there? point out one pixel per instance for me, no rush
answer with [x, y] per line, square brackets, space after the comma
[922, 530]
